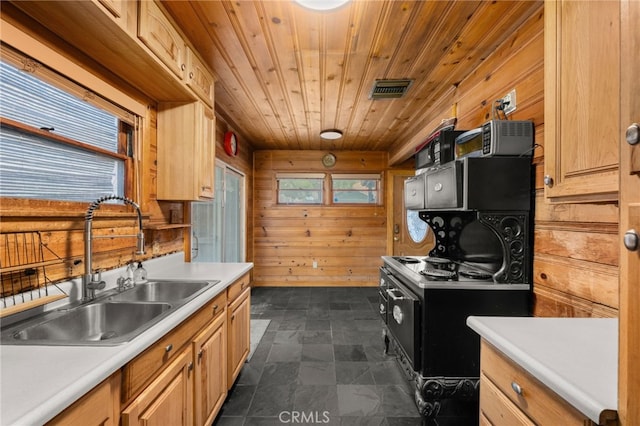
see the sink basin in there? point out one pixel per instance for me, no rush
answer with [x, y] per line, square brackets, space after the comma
[105, 323]
[164, 291]
[112, 319]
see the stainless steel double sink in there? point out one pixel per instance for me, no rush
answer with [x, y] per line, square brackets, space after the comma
[113, 318]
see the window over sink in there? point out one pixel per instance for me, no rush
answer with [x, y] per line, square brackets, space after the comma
[59, 140]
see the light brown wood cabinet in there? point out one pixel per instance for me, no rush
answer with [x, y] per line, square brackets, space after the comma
[158, 34]
[99, 407]
[168, 399]
[199, 79]
[239, 317]
[210, 352]
[194, 354]
[582, 106]
[186, 151]
[509, 395]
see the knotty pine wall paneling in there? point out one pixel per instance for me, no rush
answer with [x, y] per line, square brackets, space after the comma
[575, 245]
[61, 224]
[346, 241]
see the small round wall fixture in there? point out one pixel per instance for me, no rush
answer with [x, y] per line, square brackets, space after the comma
[329, 160]
[331, 134]
[231, 144]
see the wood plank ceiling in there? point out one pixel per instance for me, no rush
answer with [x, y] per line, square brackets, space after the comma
[284, 72]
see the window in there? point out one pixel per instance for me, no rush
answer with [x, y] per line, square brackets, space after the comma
[355, 188]
[300, 188]
[58, 140]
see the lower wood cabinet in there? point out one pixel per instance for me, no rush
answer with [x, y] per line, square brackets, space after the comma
[168, 399]
[183, 378]
[239, 317]
[509, 395]
[210, 352]
[99, 407]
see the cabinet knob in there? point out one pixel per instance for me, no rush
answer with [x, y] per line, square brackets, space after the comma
[516, 388]
[233, 316]
[215, 308]
[190, 366]
[548, 180]
[633, 134]
[190, 75]
[168, 348]
[183, 67]
[631, 240]
[200, 352]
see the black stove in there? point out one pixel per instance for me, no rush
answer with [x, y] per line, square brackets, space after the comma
[425, 308]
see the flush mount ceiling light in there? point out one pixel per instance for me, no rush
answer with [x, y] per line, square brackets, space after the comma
[331, 134]
[321, 4]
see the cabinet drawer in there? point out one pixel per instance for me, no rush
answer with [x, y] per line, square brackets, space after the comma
[538, 402]
[143, 368]
[497, 409]
[234, 290]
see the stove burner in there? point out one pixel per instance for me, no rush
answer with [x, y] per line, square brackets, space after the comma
[407, 259]
[438, 274]
[440, 263]
[476, 275]
[437, 260]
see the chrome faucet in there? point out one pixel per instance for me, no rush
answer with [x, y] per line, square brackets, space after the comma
[89, 283]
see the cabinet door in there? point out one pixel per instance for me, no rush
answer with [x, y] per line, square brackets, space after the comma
[186, 151]
[206, 147]
[199, 78]
[582, 112]
[629, 325]
[239, 328]
[158, 34]
[167, 400]
[210, 351]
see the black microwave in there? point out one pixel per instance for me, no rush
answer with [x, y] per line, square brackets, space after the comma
[438, 149]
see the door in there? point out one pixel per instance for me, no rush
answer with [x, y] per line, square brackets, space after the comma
[629, 344]
[218, 226]
[410, 235]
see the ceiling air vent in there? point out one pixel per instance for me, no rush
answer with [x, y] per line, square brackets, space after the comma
[389, 89]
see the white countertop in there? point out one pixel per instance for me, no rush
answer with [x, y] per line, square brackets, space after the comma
[575, 357]
[38, 382]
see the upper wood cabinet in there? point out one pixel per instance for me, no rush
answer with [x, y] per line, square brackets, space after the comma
[158, 34]
[199, 78]
[186, 152]
[582, 106]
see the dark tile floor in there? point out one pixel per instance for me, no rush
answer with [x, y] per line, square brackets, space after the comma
[321, 361]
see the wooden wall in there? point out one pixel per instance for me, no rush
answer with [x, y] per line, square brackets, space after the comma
[575, 245]
[346, 241]
[60, 225]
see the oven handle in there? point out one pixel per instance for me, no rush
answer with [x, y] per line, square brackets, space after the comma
[390, 292]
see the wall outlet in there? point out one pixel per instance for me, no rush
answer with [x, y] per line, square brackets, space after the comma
[315, 264]
[509, 102]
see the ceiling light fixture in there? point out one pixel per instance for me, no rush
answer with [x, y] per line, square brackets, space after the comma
[321, 4]
[331, 134]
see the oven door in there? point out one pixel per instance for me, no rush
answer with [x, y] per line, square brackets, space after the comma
[403, 320]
